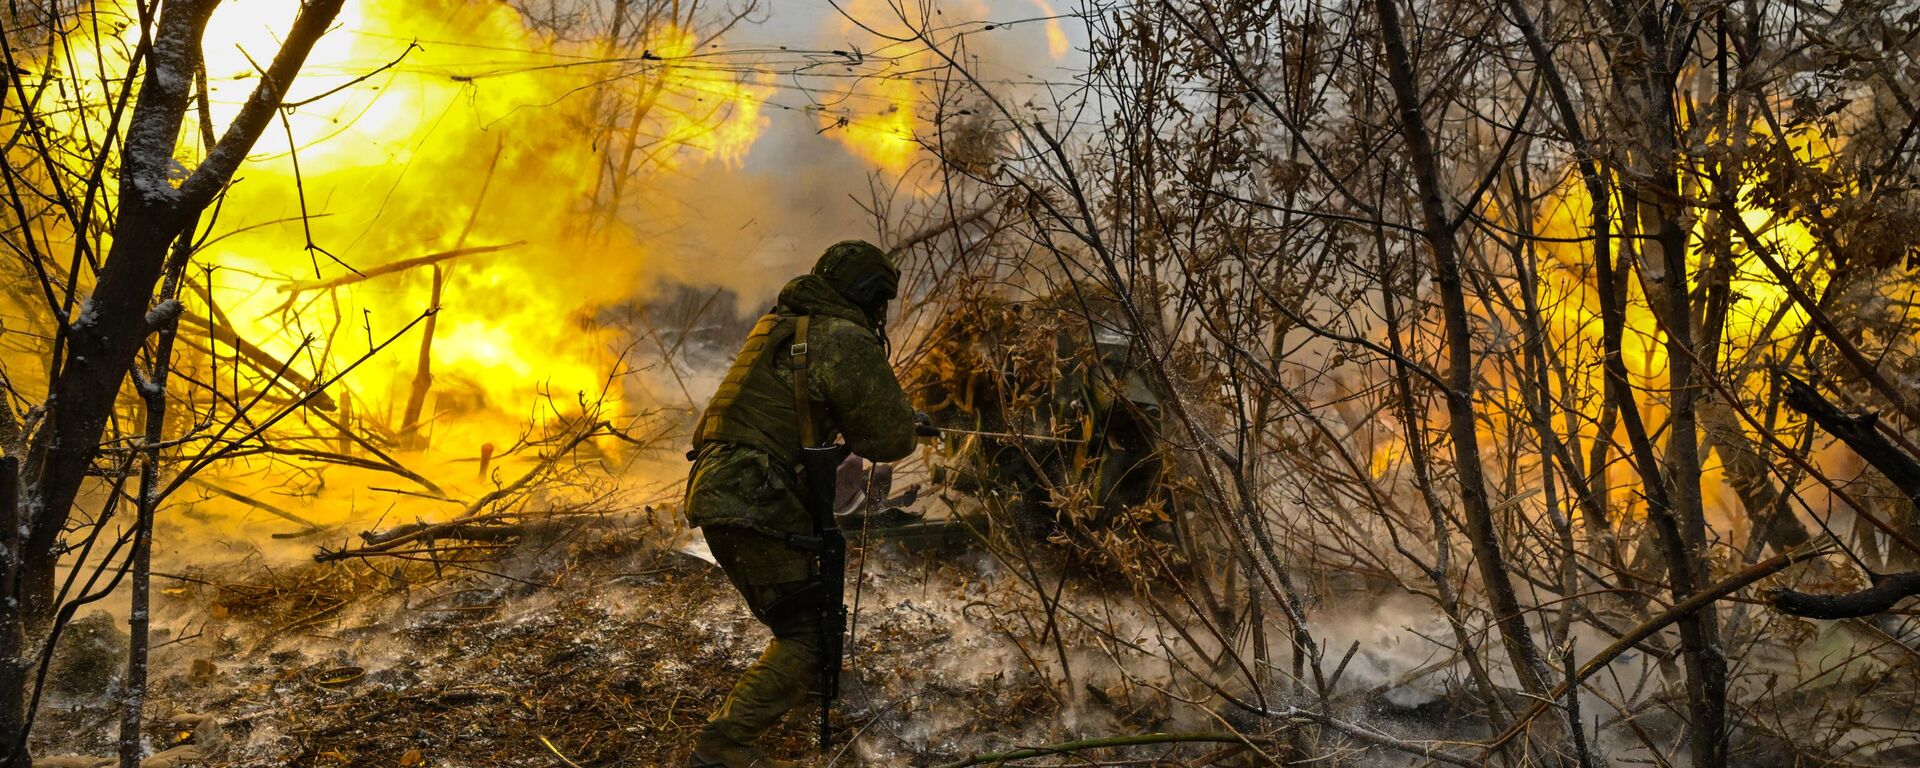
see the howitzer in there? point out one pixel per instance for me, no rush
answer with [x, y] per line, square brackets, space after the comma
[828, 548]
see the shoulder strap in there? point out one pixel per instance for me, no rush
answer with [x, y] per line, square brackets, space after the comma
[802, 404]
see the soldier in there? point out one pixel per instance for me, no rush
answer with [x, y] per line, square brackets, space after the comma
[743, 490]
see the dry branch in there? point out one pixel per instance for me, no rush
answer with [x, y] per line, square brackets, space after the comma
[1438, 231]
[1887, 590]
[1376, 738]
[473, 514]
[1702, 599]
[476, 531]
[260, 359]
[299, 286]
[255, 503]
[937, 230]
[1069, 747]
[1862, 435]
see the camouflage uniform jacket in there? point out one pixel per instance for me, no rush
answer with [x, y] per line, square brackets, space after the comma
[747, 445]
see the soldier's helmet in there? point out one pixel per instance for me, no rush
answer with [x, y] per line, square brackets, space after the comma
[861, 272]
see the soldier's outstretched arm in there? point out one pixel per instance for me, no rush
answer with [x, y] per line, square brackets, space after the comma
[855, 379]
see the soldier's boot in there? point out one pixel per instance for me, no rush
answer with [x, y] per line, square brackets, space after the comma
[770, 688]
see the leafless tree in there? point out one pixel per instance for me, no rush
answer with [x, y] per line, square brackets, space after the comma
[104, 228]
[1543, 272]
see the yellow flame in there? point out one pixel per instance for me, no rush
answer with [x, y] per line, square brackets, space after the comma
[1568, 297]
[488, 134]
[886, 116]
[886, 137]
[879, 118]
[1057, 45]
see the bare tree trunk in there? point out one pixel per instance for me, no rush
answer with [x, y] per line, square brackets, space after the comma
[422, 371]
[1681, 521]
[423, 367]
[1773, 522]
[111, 324]
[1441, 571]
[1482, 535]
[1683, 536]
[13, 646]
[153, 391]
[104, 337]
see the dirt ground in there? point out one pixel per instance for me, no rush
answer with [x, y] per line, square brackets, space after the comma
[604, 649]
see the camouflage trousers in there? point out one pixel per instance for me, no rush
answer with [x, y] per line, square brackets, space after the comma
[771, 576]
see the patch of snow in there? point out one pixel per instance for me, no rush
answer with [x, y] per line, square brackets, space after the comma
[697, 547]
[87, 317]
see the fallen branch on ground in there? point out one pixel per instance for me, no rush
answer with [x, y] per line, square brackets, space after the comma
[1066, 747]
[473, 514]
[481, 531]
[1368, 735]
[1424, 749]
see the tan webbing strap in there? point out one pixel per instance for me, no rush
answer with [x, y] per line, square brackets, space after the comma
[802, 404]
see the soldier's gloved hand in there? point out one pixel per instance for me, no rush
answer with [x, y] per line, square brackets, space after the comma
[923, 425]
